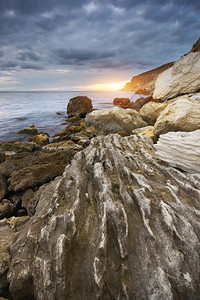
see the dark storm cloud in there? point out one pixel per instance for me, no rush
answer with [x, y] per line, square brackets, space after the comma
[79, 56]
[110, 34]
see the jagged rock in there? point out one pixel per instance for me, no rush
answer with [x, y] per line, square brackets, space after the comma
[26, 170]
[3, 187]
[181, 115]
[79, 106]
[16, 147]
[8, 230]
[121, 101]
[114, 119]
[182, 78]
[150, 111]
[29, 130]
[180, 149]
[144, 83]
[148, 131]
[118, 224]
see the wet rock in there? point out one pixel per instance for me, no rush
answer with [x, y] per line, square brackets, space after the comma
[8, 230]
[114, 119]
[29, 130]
[181, 115]
[147, 131]
[3, 187]
[16, 147]
[34, 169]
[180, 150]
[79, 106]
[118, 224]
[63, 145]
[182, 78]
[121, 101]
[150, 111]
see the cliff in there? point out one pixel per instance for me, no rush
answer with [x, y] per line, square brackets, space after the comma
[144, 83]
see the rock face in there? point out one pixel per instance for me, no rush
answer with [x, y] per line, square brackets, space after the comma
[150, 111]
[180, 149]
[182, 78]
[144, 83]
[181, 115]
[196, 46]
[79, 106]
[8, 229]
[116, 225]
[32, 169]
[114, 119]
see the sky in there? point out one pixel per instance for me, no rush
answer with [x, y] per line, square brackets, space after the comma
[90, 45]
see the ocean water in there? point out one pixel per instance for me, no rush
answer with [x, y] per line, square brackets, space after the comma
[21, 109]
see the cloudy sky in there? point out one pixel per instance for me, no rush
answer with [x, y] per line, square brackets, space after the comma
[90, 45]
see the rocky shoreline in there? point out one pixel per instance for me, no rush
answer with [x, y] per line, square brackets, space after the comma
[109, 208]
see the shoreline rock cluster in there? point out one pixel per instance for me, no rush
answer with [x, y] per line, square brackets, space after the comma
[109, 207]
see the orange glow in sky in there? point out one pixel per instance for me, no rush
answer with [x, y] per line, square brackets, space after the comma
[112, 86]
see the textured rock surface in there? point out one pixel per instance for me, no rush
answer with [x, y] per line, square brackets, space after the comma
[115, 119]
[8, 229]
[79, 106]
[29, 130]
[26, 170]
[182, 78]
[144, 83]
[116, 225]
[150, 111]
[180, 149]
[181, 115]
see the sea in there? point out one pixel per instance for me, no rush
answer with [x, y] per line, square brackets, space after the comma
[21, 109]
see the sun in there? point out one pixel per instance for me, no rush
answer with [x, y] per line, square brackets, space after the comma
[112, 86]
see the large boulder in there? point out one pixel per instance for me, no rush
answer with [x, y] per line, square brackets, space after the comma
[116, 225]
[180, 149]
[150, 111]
[180, 115]
[182, 78]
[79, 106]
[114, 119]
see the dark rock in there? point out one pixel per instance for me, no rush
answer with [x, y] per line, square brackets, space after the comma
[140, 102]
[118, 224]
[3, 187]
[121, 101]
[29, 130]
[34, 169]
[79, 106]
[196, 46]
[6, 209]
[144, 83]
[2, 157]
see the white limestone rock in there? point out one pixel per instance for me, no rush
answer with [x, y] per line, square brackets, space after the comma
[180, 149]
[114, 119]
[150, 111]
[182, 78]
[180, 115]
